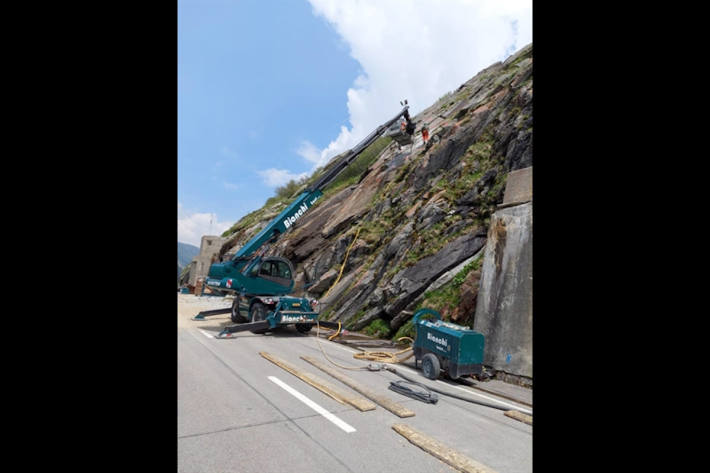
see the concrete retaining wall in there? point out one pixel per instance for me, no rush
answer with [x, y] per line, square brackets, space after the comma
[504, 307]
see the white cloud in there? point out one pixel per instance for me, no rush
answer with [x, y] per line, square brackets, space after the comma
[309, 152]
[278, 177]
[230, 186]
[193, 226]
[418, 50]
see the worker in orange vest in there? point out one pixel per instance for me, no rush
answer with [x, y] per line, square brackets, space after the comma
[425, 134]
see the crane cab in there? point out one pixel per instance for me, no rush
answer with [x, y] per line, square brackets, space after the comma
[271, 275]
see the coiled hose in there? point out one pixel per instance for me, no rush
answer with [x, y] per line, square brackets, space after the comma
[379, 356]
[398, 386]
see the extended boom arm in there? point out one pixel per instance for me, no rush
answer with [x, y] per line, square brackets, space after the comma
[279, 225]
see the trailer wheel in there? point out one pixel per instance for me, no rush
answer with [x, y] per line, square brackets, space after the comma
[236, 317]
[304, 328]
[257, 313]
[431, 366]
[452, 378]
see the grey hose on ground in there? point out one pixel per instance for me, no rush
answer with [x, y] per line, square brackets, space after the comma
[446, 393]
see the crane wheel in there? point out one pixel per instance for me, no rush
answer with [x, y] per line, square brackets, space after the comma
[236, 317]
[257, 314]
[304, 328]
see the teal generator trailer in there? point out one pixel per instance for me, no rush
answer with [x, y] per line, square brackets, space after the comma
[446, 346]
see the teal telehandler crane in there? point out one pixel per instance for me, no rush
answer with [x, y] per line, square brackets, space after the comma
[261, 283]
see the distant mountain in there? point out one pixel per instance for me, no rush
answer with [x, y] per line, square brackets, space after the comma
[186, 253]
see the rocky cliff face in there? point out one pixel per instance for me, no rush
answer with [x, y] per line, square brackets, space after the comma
[408, 232]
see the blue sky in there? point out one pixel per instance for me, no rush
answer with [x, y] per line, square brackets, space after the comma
[269, 90]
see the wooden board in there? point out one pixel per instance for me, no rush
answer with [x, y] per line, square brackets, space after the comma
[321, 385]
[449, 456]
[519, 416]
[383, 401]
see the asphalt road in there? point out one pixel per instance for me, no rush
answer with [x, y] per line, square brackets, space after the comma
[239, 412]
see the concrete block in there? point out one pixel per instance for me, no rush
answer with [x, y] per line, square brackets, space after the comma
[518, 187]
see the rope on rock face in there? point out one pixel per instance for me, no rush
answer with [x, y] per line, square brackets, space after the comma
[342, 267]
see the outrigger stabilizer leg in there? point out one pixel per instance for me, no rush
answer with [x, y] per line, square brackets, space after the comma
[264, 325]
[207, 313]
[228, 331]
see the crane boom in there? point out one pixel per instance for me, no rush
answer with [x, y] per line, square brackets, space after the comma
[285, 220]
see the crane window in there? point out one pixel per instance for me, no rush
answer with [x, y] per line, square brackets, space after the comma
[266, 269]
[254, 271]
[282, 270]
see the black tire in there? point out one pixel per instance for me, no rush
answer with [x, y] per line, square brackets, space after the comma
[257, 313]
[304, 328]
[431, 366]
[452, 378]
[236, 317]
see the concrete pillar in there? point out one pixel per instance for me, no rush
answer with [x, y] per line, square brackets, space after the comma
[209, 248]
[504, 307]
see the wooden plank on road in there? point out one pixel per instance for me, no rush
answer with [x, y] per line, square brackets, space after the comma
[519, 416]
[383, 401]
[321, 385]
[449, 456]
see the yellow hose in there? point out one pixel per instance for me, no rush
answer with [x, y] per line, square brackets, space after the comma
[385, 356]
[326, 356]
[337, 331]
[342, 267]
[379, 356]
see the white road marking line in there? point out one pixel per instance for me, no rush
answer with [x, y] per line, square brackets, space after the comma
[320, 410]
[206, 334]
[498, 401]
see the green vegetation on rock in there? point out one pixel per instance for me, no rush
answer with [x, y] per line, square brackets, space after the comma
[351, 175]
[406, 330]
[448, 297]
[423, 198]
[377, 328]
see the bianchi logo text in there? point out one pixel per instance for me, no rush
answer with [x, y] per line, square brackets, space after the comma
[291, 220]
[291, 318]
[437, 340]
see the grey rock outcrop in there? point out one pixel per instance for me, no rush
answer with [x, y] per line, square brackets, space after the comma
[323, 282]
[420, 213]
[411, 282]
